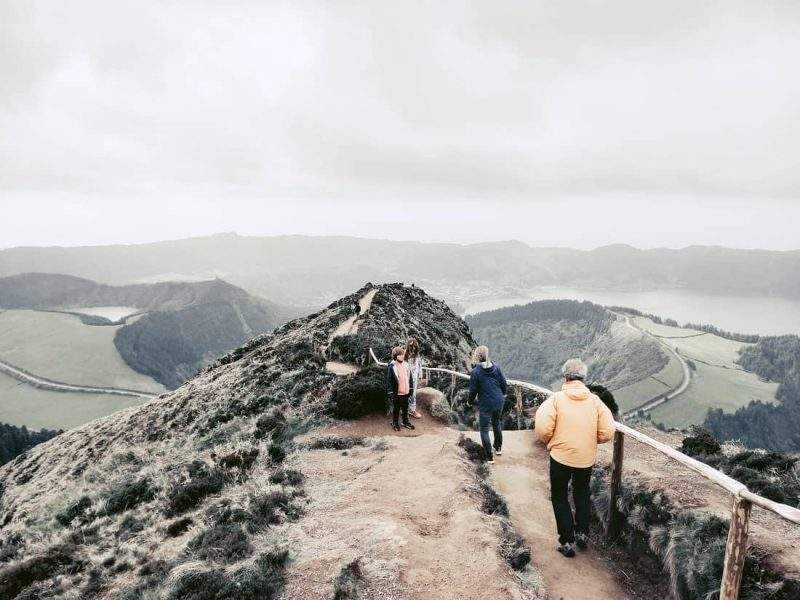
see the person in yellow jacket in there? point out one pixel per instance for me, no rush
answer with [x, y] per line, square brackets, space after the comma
[572, 422]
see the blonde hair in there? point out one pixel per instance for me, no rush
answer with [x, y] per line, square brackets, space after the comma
[397, 351]
[480, 354]
[412, 347]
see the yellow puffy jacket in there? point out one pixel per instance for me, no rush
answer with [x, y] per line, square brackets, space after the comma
[572, 422]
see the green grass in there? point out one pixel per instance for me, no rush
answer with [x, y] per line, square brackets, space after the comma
[638, 393]
[60, 347]
[713, 387]
[707, 348]
[21, 404]
[717, 381]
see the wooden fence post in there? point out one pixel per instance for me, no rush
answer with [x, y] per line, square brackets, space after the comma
[518, 393]
[736, 549]
[452, 388]
[614, 519]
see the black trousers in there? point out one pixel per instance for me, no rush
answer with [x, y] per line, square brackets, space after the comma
[560, 476]
[400, 405]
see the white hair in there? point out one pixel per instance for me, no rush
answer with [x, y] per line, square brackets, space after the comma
[574, 368]
[481, 354]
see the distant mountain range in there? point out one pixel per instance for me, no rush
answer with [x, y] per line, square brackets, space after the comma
[185, 325]
[301, 270]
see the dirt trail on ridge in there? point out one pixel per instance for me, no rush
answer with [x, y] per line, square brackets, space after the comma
[349, 327]
[405, 507]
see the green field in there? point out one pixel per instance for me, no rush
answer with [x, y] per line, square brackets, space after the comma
[60, 347]
[636, 394]
[717, 381]
[705, 347]
[21, 404]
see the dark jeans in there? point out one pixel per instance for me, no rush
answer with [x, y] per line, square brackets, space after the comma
[494, 417]
[400, 405]
[560, 476]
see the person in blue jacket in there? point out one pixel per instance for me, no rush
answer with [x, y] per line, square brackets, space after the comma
[489, 385]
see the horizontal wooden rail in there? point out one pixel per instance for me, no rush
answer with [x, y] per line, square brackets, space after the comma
[522, 384]
[783, 510]
[710, 473]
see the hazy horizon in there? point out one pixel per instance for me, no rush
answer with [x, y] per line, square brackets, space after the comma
[400, 240]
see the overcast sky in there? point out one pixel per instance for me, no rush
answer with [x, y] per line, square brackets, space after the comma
[558, 123]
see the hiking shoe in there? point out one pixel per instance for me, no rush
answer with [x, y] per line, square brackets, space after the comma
[408, 426]
[582, 541]
[396, 427]
[567, 550]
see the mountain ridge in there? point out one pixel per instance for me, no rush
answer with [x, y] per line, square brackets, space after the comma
[188, 454]
[312, 270]
[184, 325]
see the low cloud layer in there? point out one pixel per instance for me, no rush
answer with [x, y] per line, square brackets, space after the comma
[526, 106]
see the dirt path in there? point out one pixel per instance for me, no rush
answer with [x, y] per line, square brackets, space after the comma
[521, 476]
[404, 507]
[340, 368]
[349, 327]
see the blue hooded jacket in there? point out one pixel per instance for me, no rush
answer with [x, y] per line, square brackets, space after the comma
[489, 384]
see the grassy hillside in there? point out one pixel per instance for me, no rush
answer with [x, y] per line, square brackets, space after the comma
[199, 492]
[717, 380]
[60, 347]
[531, 342]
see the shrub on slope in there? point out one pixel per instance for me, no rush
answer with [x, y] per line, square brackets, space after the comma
[771, 474]
[688, 545]
[362, 394]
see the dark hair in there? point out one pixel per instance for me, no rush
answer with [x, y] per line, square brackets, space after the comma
[573, 378]
[412, 347]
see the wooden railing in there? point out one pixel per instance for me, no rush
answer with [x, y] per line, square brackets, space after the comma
[742, 499]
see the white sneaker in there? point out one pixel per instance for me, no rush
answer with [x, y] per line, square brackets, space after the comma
[498, 452]
[490, 461]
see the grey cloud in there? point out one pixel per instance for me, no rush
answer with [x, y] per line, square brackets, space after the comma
[518, 101]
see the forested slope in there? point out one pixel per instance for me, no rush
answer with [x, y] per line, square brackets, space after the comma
[16, 440]
[531, 342]
[760, 425]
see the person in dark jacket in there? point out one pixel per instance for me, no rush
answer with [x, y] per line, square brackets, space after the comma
[489, 385]
[398, 387]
